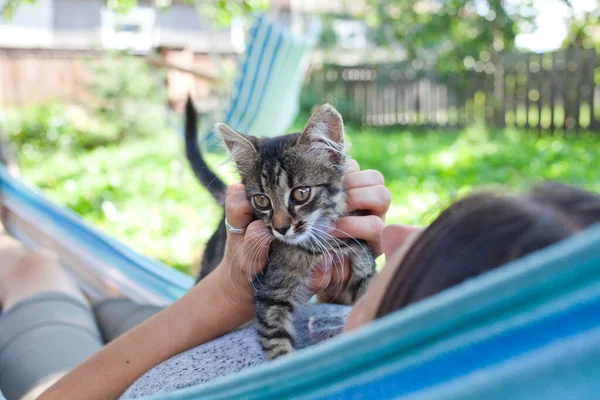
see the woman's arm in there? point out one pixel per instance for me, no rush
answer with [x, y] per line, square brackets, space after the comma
[201, 315]
[218, 304]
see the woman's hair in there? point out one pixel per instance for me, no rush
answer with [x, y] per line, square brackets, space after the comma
[484, 231]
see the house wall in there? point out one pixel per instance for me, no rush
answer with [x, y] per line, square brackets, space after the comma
[181, 25]
[36, 76]
[77, 23]
[31, 26]
[87, 24]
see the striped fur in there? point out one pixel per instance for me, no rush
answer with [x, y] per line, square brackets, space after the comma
[274, 167]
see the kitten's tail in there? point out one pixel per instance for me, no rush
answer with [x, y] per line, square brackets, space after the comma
[202, 171]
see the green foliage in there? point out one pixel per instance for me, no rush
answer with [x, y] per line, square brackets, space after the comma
[143, 193]
[328, 38]
[52, 127]
[428, 170]
[442, 35]
[582, 31]
[130, 95]
[140, 191]
[219, 11]
[11, 6]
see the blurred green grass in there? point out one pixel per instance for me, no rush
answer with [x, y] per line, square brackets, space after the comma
[142, 192]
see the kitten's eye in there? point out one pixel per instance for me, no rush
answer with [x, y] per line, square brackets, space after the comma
[261, 202]
[300, 195]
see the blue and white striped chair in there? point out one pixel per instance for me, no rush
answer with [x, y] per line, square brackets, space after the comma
[266, 93]
[529, 330]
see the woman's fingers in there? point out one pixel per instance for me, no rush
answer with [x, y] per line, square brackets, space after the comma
[373, 199]
[367, 227]
[247, 252]
[238, 212]
[237, 207]
[358, 179]
[322, 276]
[254, 252]
[352, 166]
[330, 278]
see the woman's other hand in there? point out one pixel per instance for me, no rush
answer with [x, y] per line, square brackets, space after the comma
[367, 196]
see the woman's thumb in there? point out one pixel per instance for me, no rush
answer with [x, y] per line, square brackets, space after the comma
[257, 241]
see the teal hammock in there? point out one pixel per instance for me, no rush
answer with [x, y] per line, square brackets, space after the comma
[528, 330]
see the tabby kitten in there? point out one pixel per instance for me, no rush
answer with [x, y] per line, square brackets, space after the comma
[295, 185]
[294, 182]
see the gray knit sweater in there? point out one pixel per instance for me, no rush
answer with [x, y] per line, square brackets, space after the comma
[234, 352]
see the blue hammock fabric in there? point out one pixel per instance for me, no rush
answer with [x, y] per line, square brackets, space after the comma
[528, 330]
[266, 94]
[167, 283]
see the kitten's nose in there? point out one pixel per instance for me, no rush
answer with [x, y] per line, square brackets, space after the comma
[283, 229]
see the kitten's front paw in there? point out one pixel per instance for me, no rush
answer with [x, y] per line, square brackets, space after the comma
[275, 348]
[354, 290]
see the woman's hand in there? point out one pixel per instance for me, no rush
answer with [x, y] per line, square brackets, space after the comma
[245, 253]
[218, 304]
[366, 194]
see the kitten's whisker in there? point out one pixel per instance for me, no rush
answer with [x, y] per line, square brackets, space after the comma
[251, 276]
[349, 237]
[259, 237]
[348, 201]
[338, 241]
[340, 259]
[341, 263]
[240, 246]
[338, 253]
[322, 244]
[253, 270]
[313, 265]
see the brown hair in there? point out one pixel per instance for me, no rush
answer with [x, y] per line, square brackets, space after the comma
[484, 231]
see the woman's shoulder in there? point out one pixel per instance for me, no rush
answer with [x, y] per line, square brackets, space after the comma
[230, 353]
[235, 352]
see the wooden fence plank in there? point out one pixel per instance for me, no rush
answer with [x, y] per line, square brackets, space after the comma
[545, 92]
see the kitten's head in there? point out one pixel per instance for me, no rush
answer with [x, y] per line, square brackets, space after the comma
[294, 182]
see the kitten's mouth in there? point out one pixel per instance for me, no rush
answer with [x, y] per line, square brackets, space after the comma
[290, 236]
[304, 237]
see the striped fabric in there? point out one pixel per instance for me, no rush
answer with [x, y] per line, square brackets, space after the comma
[127, 270]
[529, 330]
[265, 99]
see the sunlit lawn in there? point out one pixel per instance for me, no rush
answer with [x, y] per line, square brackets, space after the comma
[142, 193]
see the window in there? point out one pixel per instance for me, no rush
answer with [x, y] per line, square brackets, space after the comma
[132, 31]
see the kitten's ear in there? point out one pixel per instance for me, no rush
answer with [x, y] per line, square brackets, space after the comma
[324, 124]
[325, 131]
[243, 148]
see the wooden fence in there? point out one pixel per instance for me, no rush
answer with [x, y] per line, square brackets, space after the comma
[547, 92]
[34, 76]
